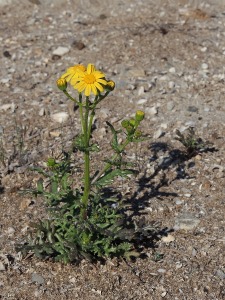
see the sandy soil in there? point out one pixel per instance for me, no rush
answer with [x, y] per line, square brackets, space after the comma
[167, 58]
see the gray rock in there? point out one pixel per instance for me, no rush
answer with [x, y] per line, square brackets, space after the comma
[220, 274]
[186, 222]
[37, 278]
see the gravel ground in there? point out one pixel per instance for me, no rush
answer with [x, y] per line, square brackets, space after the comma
[167, 58]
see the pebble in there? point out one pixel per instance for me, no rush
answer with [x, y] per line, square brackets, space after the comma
[2, 267]
[168, 239]
[186, 222]
[141, 91]
[205, 66]
[158, 133]
[161, 270]
[151, 110]
[41, 112]
[170, 105]
[172, 70]
[220, 274]
[171, 84]
[142, 101]
[60, 117]
[60, 51]
[37, 278]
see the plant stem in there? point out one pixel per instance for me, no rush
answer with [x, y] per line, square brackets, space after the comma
[87, 183]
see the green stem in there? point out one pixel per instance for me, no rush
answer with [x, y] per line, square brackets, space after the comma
[87, 183]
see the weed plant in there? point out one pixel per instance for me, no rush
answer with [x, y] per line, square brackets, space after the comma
[83, 222]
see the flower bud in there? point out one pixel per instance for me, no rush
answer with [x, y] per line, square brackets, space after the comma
[61, 84]
[132, 122]
[125, 123]
[110, 85]
[130, 129]
[139, 115]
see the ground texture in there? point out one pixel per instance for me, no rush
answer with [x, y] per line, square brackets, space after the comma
[167, 58]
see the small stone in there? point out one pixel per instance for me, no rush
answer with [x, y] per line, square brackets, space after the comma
[2, 266]
[55, 133]
[25, 203]
[192, 109]
[171, 85]
[161, 270]
[163, 294]
[141, 91]
[78, 45]
[41, 112]
[186, 222]
[158, 134]
[172, 70]
[60, 117]
[11, 231]
[60, 51]
[170, 105]
[205, 66]
[187, 195]
[37, 278]
[168, 239]
[151, 110]
[220, 274]
[203, 49]
[141, 101]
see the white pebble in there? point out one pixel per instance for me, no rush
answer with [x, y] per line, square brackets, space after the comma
[151, 111]
[171, 85]
[205, 66]
[172, 70]
[142, 101]
[60, 117]
[60, 51]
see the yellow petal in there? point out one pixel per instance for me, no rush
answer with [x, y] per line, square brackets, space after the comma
[99, 86]
[90, 68]
[94, 90]
[88, 90]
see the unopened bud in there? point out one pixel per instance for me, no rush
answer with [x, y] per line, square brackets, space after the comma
[61, 84]
[139, 115]
[125, 123]
[110, 85]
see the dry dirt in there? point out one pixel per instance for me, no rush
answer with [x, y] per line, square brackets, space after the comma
[167, 58]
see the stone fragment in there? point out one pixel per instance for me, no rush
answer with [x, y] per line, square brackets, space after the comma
[60, 51]
[151, 111]
[220, 274]
[168, 239]
[37, 279]
[186, 222]
[2, 266]
[142, 101]
[60, 117]
[158, 133]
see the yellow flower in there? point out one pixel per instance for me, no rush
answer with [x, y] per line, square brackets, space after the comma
[61, 84]
[73, 73]
[91, 81]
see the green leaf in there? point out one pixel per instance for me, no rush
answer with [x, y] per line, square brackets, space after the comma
[111, 174]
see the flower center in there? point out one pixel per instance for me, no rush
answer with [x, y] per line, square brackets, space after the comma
[89, 79]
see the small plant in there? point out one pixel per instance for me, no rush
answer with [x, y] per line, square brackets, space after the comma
[83, 222]
[193, 144]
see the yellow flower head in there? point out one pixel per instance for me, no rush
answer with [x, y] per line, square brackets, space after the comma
[73, 73]
[61, 84]
[91, 81]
